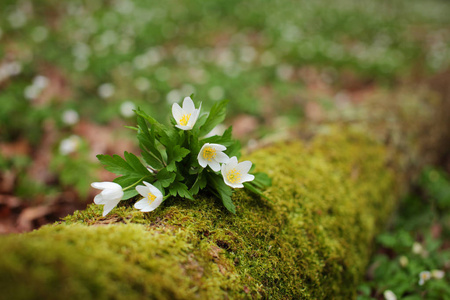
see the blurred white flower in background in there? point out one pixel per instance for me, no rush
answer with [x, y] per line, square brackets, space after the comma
[127, 109]
[69, 145]
[173, 96]
[106, 90]
[17, 19]
[70, 117]
[142, 84]
[248, 54]
[424, 276]
[285, 72]
[187, 89]
[403, 260]
[41, 82]
[216, 93]
[437, 274]
[268, 59]
[389, 295]
[33, 91]
[9, 69]
[39, 34]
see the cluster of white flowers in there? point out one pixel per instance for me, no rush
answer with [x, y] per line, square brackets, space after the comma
[424, 276]
[212, 155]
[35, 89]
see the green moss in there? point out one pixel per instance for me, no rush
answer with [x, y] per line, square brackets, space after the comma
[330, 198]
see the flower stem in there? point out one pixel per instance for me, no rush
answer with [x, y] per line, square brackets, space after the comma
[130, 186]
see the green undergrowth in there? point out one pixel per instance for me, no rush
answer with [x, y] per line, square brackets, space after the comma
[330, 197]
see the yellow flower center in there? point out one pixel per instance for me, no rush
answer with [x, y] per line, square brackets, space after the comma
[234, 176]
[151, 198]
[185, 119]
[425, 276]
[209, 153]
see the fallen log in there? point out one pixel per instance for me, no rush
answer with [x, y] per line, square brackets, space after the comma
[329, 199]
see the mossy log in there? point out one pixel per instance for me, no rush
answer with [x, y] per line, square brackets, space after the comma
[311, 241]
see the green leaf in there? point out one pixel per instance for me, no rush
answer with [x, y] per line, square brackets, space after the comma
[175, 154]
[116, 164]
[150, 159]
[262, 180]
[165, 178]
[252, 188]
[129, 183]
[147, 140]
[135, 163]
[199, 184]
[216, 116]
[223, 191]
[178, 188]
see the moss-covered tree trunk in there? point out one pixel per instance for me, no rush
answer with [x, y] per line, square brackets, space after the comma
[312, 241]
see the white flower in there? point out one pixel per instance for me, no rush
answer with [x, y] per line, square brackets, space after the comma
[389, 295]
[424, 276]
[417, 248]
[187, 115]
[234, 173]
[152, 197]
[212, 155]
[106, 90]
[127, 109]
[437, 274]
[69, 145]
[70, 117]
[110, 195]
[403, 260]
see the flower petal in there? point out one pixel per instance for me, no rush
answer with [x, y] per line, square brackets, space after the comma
[105, 185]
[248, 177]
[218, 147]
[244, 166]
[109, 206]
[177, 112]
[142, 190]
[188, 106]
[98, 199]
[222, 157]
[215, 166]
[141, 204]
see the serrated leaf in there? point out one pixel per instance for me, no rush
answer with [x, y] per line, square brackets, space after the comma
[116, 164]
[262, 180]
[175, 154]
[178, 188]
[216, 116]
[147, 140]
[135, 163]
[223, 191]
[165, 178]
[200, 183]
[226, 138]
[151, 160]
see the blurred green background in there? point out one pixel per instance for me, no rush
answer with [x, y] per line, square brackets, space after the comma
[71, 72]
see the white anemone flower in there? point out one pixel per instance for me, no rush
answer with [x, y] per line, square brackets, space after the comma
[438, 274]
[234, 173]
[152, 197]
[110, 195]
[424, 276]
[212, 155]
[389, 295]
[187, 115]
